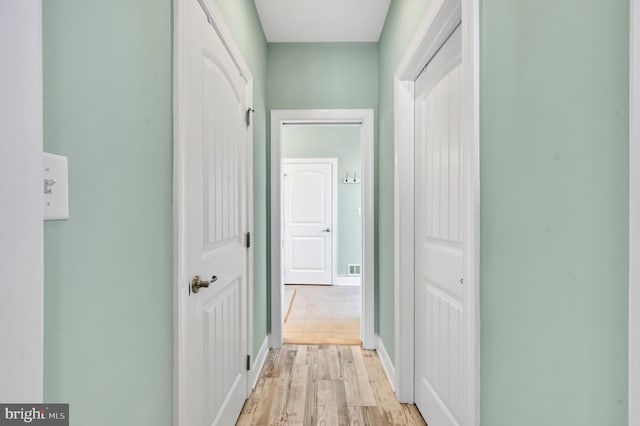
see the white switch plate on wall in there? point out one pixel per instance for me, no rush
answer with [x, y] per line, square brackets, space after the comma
[55, 186]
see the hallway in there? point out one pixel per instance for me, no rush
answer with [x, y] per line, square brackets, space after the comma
[153, 289]
[325, 385]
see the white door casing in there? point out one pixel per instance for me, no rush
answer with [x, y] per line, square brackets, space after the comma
[440, 231]
[309, 215]
[213, 215]
[21, 211]
[441, 19]
[365, 118]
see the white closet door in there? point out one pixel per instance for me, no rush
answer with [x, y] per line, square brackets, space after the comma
[440, 302]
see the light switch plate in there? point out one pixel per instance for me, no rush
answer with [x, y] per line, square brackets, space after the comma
[55, 186]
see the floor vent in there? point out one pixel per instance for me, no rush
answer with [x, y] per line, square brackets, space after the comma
[353, 269]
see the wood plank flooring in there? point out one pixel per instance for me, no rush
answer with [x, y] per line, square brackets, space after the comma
[325, 385]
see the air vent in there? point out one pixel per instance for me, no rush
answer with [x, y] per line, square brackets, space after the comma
[353, 269]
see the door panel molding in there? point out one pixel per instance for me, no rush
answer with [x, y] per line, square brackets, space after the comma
[440, 20]
[364, 117]
[634, 215]
[181, 278]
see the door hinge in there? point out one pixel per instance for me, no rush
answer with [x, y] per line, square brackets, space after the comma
[247, 117]
[248, 240]
[248, 362]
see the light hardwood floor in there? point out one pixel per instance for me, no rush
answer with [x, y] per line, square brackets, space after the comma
[323, 315]
[325, 385]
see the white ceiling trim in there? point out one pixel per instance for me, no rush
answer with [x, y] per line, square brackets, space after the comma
[312, 21]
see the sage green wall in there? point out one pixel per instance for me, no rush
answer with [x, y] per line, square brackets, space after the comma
[108, 283]
[341, 142]
[243, 20]
[402, 21]
[554, 178]
[108, 274]
[322, 75]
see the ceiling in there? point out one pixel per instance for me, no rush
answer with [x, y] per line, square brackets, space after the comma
[298, 21]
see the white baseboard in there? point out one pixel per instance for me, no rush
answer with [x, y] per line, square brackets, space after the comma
[256, 368]
[273, 343]
[388, 366]
[346, 280]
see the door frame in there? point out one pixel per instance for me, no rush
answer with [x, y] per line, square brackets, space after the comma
[181, 279]
[634, 215]
[365, 118]
[21, 174]
[334, 208]
[440, 20]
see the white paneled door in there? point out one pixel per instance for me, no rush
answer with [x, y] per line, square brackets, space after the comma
[439, 288]
[308, 222]
[216, 190]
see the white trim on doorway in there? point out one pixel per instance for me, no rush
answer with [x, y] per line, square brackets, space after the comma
[387, 365]
[634, 215]
[365, 118]
[21, 214]
[440, 20]
[256, 368]
[334, 207]
[181, 280]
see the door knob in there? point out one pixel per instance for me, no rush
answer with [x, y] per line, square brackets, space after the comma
[326, 230]
[197, 283]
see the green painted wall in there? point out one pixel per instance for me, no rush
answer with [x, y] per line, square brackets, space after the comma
[341, 142]
[322, 75]
[554, 179]
[402, 21]
[247, 32]
[108, 284]
[108, 274]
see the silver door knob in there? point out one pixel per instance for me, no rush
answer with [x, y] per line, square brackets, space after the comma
[326, 230]
[197, 283]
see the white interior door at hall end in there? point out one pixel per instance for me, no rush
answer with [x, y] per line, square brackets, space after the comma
[216, 190]
[439, 293]
[308, 223]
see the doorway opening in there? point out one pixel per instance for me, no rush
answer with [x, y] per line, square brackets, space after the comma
[322, 232]
[322, 284]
